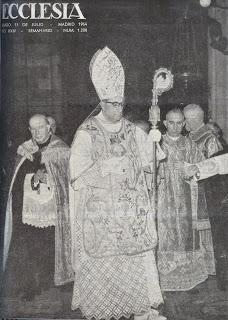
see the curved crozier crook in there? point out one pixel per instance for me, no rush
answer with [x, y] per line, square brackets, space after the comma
[163, 80]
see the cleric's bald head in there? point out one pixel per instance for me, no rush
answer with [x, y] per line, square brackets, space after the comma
[194, 117]
[194, 111]
[176, 111]
[38, 118]
[39, 128]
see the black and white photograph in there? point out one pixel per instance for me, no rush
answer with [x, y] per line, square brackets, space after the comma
[114, 160]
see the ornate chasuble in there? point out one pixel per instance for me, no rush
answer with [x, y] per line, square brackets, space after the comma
[116, 218]
[206, 141]
[209, 145]
[181, 260]
[175, 192]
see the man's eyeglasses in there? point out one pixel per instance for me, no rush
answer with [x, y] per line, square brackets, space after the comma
[180, 123]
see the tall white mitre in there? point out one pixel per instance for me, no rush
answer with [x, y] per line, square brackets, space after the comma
[107, 75]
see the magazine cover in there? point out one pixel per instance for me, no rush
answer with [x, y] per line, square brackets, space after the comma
[114, 163]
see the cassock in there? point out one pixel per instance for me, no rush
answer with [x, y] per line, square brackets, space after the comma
[37, 238]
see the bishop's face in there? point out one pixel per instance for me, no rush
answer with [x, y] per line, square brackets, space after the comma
[112, 110]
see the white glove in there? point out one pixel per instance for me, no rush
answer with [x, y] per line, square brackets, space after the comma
[155, 135]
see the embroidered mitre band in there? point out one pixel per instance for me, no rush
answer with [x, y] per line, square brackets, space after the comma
[107, 75]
